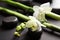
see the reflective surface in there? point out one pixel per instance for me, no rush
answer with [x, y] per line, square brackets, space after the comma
[45, 35]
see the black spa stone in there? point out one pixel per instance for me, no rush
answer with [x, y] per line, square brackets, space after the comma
[34, 35]
[9, 22]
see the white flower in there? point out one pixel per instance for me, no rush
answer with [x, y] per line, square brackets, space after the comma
[46, 7]
[34, 24]
[43, 8]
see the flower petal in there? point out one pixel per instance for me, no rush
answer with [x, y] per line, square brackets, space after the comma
[46, 6]
[36, 8]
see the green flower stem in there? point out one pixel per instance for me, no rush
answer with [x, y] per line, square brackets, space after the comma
[53, 15]
[30, 9]
[21, 16]
[52, 27]
[11, 12]
[17, 4]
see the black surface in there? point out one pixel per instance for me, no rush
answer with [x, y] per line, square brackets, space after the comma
[48, 35]
[7, 35]
[51, 36]
[9, 22]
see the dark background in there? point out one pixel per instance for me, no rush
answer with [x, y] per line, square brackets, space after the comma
[45, 35]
